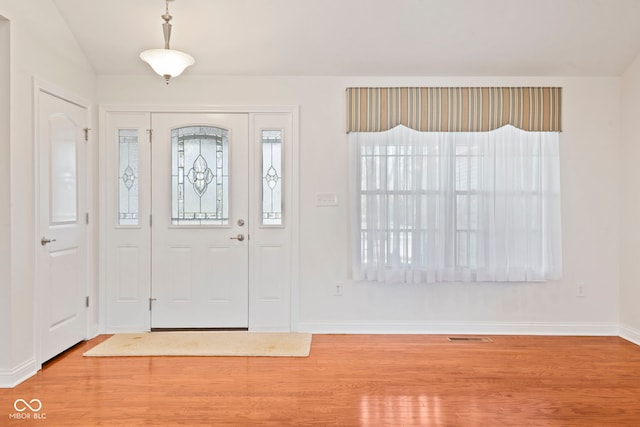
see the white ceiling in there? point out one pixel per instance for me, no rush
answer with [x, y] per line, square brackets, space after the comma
[365, 37]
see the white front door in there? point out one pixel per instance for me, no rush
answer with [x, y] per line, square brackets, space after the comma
[62, 265]
[200, 220]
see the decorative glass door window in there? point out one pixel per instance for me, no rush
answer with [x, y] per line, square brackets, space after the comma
[128, 177]
[200, 176]
[272, 177]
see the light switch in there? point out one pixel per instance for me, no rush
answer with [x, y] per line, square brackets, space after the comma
[326, 199]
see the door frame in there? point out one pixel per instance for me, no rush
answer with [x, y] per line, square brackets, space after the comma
[91, 329]
[292, 206]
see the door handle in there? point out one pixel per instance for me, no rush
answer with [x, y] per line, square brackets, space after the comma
[44, 241]
[239, 237]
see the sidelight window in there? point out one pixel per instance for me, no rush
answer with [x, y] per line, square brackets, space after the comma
[128, 177]
[272, 177]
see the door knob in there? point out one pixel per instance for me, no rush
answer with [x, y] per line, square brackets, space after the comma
[239, 237]
[44, 241]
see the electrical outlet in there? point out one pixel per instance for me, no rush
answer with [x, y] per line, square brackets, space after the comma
[580, 290]
[338, 290]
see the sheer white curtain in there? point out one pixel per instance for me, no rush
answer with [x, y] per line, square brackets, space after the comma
[456, 206]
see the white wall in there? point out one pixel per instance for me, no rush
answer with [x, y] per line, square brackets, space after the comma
[630, 209]
[590, 177]
[41, 46]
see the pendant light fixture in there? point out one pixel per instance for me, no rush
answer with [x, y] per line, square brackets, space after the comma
[167, 62]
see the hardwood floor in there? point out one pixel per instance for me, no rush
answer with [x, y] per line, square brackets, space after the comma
[348, 380]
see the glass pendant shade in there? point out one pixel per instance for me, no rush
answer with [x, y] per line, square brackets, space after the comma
[167, 62]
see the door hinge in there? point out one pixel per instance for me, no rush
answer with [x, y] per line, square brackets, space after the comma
[151, 300]
[150, 220]
[86, 133]
[86, 218]
[150, 132]
[87, 302]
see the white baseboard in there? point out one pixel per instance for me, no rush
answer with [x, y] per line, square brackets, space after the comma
[630, 334]
[269, 329]
[10, 378]
[475, 328]
[125, 330]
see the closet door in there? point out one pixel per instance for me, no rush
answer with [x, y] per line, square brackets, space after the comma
[62, 266]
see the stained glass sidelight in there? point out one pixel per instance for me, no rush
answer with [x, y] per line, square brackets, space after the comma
[199, 175]
[272, 177]
[128, 177]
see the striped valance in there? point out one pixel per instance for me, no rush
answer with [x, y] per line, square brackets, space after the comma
[453, 109]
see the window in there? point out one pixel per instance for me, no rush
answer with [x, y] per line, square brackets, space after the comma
[271, 177]
[456, 206]
[128, 177]
[200, 175]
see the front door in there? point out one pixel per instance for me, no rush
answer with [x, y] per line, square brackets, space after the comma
[199, 214]
[62, 229]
